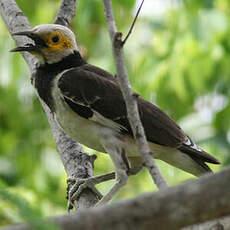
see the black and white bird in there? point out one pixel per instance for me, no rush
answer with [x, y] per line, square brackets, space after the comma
[87, 103]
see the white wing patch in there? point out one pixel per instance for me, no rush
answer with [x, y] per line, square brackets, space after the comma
[189, 143]
[97, 117]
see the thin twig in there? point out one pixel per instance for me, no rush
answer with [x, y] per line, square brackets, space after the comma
[134, 21]
[130, 98]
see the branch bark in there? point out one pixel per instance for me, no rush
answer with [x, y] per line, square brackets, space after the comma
[66, 12]
[77, 163]
[193, 202]
[130, 98]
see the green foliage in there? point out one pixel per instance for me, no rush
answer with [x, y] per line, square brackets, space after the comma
[14, 204]
[178, 59]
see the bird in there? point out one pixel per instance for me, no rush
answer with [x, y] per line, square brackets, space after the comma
[87, 103]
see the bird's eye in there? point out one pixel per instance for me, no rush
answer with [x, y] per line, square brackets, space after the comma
[55, 39]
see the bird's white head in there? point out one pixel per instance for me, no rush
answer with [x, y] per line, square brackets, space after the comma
[52, 42]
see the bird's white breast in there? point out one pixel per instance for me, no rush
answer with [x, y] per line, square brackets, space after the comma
[90, 132]
[85, 131]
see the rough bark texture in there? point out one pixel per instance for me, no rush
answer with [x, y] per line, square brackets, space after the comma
[77, 163]
[220, 224]
[130, 98]
[196, 201]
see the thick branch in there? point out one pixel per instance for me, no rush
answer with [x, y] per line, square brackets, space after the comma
[130, 98]
[196, 201]
[219, 224]
[77, 163]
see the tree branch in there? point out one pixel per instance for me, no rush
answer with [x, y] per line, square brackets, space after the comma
[193, 202]
[66, 12]
[219, 224]
[130, 98]
[77, 163]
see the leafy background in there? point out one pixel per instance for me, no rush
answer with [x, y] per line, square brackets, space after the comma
[178, 57]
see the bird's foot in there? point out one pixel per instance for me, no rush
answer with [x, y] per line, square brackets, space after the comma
[76, 186]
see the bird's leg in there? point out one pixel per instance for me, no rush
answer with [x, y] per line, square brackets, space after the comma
[123, 170]
[122, 178]
[130, 171]
[76, 186]
[134, 171]
[136, 163]
[122, 166]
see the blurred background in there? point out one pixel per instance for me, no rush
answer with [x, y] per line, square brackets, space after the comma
[178, 57]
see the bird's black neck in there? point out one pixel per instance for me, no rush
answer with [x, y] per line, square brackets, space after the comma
[73, 60]
[45, 74]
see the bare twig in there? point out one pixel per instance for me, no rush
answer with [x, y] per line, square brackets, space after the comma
[130, 98]
[134, 21]
[72, 155]
[193, 202]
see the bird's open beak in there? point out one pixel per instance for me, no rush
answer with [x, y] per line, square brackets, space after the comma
[38, 42]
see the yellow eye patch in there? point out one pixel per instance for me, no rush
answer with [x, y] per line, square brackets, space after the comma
[56, 41]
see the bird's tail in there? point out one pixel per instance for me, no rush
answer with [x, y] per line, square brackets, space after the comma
[200, 157]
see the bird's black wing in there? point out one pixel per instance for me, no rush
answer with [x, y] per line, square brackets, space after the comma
[94, 96]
